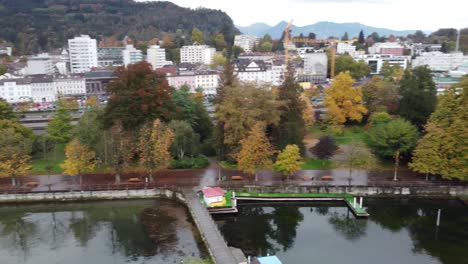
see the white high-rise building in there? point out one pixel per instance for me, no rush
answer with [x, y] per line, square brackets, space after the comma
[438, 61]
[156, 56]
[131, 55]
[40, 64]
[83, 54]
[197, 54]
[246, 42]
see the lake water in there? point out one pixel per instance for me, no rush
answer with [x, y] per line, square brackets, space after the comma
[138, 231]
[397, 232]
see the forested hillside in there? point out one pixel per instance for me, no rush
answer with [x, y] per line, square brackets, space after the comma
[38, 25]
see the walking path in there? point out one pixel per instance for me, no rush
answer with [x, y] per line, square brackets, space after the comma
[209, 230]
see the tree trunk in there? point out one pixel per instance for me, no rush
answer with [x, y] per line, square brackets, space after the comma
[397, 160]
[117, 177]
[256, 176]
[81, 182]
[151, 179]
[13, 181]
[427, 176]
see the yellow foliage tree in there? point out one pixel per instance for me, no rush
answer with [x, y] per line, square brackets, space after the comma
[308, 113]
[14, 164]
[80, 159]
[343, 101]
[155, 141]
[255, 152]
[289, 160]
[15, 146]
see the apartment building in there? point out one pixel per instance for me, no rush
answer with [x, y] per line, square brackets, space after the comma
[246, 42]
[197, 54]
[156, 56]
[83, 54]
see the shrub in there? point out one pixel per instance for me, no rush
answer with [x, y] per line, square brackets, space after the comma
[198, 162]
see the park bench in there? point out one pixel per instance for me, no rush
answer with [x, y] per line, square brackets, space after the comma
[134, 180]
[237, 178]
[307, 177]
[326, 178]
[31, 184]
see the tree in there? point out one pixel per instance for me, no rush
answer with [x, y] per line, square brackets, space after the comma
[291, 126]
[137, 96]
[379, 118]
[255, 152]
[154, 143]
[243, 106]
[357, 156]
[357, 70]
[79, 159]
[418, 96]
[60, 128]
[186, 141]
[218, 60]
[266, 47]
[219, 42]
[6, 111]
[15, 150]
[345, 36]
[380, 95]
[236, 51]
[442, 150]
[289, 161]
[361, 38]
[392, 139]
[308, 113]
[392, 73]
[325, 148]
[3, 69]
[119, 145]
[197, 37]
[344, 102]
[89, 130]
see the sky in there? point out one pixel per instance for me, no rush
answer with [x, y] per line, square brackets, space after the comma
[428, 15]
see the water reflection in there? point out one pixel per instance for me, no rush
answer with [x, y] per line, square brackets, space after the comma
[397, 232]
[103, 232]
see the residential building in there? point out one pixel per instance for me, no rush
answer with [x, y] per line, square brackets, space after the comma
[206, 81]
[345, 48]
[40, 64]
[83, 54]
[376, 61]
[110, 56]
[387, 48]
[5, 50]
[43, 89]
[96, 82]
[156, 56]
[16, 90]
[246, 42]
[463, 68]
[178, 81]
[418, 48]
[259, 71]
[197, 54]
[131, 55]
[70, 85]
[264, 56]
[315, 67]
[440, 62]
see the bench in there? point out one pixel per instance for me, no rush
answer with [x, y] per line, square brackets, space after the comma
[307, 177]
[237, 178]
[134, 180]
[31, 184]
[326, 178]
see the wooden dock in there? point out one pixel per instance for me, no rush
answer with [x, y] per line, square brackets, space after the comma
[215, 242]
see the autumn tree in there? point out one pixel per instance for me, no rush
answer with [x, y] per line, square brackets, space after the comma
[357, 69]
[60, 128]
[6, 111]
[218, 60]
[325, 148]
[291, 126]
[443, 149]
[418, 96]
[380, 95]
[391, 73]
[15, 150]
[343, 101]
[119, 146]
[309, 114]
[197, 36]
[289, 161]
[392, 139]
[153, 147]
[137, 96]
[89, 129]
[243, 106]
[79, 159]
[255, 151]
[186, 141]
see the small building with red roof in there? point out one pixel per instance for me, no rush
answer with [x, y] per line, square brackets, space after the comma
[213, 195]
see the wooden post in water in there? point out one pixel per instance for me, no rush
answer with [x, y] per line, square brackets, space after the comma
[360, 202]
[354, 202]
[438, 218]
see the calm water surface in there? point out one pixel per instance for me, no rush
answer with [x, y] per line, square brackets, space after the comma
[397, 232]
[145, 231]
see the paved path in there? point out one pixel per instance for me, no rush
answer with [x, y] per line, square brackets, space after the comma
[209, 230]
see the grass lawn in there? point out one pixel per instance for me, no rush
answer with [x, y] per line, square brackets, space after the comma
[350, 134]
[228, 165]
[314, 164]
[54, 159]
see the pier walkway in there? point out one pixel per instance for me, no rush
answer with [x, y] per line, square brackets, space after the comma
[215, 242]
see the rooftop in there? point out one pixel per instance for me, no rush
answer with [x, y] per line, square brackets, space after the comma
[212, 191]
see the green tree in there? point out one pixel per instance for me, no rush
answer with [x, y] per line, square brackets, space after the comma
[380, 95]
[418, 96]
[361, 38]
[6, 111]
[89, 131]
[3, 69]
[79, 159]
[392, 139]
[255, 152]
[154, 143]
[379, 118]
[137, 96]
[236, 51]
[392, 73]
[197, 36]
[345, 36]
[266, 47]
[344, 102]
[15, 150]
[357, 69]
[60, 128]
[289, 161]
[218, 60]
[186, 141]
[291, 126]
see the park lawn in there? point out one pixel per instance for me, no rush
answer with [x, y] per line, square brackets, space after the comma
[315, 164]
[350, 134]
[54, 159]
[227, 165]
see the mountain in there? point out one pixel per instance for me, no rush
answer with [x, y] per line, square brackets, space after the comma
[321, 29]
[38, 25]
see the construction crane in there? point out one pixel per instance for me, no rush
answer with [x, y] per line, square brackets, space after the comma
[287, 42]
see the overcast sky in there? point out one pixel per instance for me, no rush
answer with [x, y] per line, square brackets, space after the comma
[393, 14]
